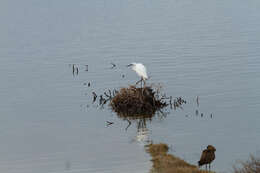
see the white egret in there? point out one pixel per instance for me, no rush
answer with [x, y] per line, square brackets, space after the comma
[140, 69]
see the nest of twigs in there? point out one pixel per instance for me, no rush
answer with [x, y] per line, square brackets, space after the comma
[133, 101]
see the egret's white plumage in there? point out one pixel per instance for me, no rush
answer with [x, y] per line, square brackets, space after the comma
[140, 70]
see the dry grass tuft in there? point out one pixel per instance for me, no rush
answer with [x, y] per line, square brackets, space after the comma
[136, 102]
[157, 149]
[250, 166]
[167, 163]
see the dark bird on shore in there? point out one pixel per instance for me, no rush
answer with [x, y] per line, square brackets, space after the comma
[207, 156]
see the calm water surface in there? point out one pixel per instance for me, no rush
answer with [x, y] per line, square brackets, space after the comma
[209, 49]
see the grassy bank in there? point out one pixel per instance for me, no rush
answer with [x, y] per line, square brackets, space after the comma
[168, 163]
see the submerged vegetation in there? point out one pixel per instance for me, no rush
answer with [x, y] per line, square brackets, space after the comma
[168, 163]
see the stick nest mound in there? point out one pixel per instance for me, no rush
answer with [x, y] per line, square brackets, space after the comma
[133, 101]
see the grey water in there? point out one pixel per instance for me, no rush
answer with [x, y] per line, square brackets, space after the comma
[205, 48]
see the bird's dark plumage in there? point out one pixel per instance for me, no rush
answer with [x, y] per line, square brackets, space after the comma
[207, 156]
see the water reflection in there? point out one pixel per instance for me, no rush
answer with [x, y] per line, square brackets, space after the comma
[143, 136]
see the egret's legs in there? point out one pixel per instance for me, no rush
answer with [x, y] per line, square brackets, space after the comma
[138, 82]
[141, 80]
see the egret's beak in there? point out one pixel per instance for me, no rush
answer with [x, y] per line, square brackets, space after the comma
[129, 65]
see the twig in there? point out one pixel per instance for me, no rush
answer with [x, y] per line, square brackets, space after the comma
[101, 100]
[110, 93]
[94, 96]
[113, 65]
[106, 95]
[109, 123]
[129, 124]
[197, 100]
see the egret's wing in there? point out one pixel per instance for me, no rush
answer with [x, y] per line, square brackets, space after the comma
[141, 70]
